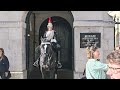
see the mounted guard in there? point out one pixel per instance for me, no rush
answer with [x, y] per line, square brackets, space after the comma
[49, 37]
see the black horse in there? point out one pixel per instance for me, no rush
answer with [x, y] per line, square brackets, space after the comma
[48, 60]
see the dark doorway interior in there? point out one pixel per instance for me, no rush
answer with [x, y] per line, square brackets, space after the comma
[64, 36]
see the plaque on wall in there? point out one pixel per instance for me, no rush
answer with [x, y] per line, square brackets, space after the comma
[90, 39]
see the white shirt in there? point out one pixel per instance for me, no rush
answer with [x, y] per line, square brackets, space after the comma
[49, 35]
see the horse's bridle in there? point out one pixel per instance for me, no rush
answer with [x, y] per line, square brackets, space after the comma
[49, 57]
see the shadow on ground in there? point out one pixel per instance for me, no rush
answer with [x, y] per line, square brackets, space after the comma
[61, 74]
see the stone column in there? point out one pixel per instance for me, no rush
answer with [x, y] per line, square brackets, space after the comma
[12, 39]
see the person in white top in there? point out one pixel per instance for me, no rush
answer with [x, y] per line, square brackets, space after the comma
[50, 33]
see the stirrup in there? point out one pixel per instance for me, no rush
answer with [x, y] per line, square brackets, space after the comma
[36, 63]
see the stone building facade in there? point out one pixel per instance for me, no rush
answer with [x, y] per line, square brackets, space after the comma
[14, 36]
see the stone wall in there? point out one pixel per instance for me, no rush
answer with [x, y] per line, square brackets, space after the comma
[12, 39]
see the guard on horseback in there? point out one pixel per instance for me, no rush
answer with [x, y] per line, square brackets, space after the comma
[49, 36]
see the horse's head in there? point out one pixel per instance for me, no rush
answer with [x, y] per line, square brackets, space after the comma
[46, 55]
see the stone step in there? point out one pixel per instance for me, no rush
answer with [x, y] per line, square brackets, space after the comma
[64, 74]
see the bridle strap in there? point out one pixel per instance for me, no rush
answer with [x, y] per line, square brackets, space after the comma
[45, 43]
[49, 55]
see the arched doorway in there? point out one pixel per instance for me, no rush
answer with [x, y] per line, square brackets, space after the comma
[36, 26]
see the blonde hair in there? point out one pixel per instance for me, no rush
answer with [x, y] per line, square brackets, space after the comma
[90, 51]
[117, 47]
[114, 57]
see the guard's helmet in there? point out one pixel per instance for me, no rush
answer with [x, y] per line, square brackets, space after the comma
[49, 22]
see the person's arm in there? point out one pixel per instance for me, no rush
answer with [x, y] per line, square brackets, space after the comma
[6, 63]
[100, 65]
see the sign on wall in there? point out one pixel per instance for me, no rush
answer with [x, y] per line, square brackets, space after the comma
[90, 39]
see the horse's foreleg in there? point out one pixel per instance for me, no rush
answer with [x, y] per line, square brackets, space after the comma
[42, 72]
[52, 74]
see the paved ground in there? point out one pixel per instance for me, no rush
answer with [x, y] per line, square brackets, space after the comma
[65, 74]
[61, 74]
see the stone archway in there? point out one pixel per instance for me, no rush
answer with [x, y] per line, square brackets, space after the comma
[41, 16]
